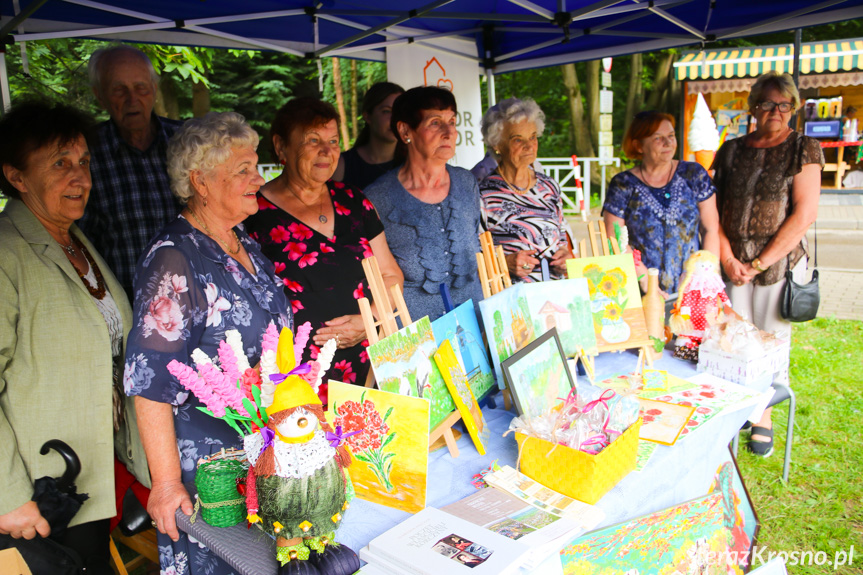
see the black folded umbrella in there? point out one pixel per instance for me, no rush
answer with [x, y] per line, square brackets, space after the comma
[58, 501]
[58, 498]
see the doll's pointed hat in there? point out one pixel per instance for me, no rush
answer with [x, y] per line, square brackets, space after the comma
[293, 392]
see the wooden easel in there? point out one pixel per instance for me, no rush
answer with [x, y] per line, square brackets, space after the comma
[386, 326]
[491, 265]
[602, 248]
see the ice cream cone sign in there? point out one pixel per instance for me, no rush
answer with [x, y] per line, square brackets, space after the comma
[703, 136]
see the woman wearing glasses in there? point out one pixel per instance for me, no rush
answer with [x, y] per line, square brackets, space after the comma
[664, 202]
[768, 185]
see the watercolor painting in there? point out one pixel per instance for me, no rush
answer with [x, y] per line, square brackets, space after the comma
[461, 328]
[508, 326]
[663, 422]
[679, 539]
[618, 319]
[456, 382]
[403, 363]
[740, 517]
[538, 376]
[391, 449]
[654, 379]
[708, 395]
[565, 305]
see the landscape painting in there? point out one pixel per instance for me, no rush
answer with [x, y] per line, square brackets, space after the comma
[390, 450]
[538, 376]
[461, 328]
[618, 319]
[508, 325]
[565, 305]
[403, 363]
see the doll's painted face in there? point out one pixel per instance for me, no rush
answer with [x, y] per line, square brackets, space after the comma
[300, 423]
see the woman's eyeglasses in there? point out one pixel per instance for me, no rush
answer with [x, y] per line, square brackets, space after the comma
[768, 106]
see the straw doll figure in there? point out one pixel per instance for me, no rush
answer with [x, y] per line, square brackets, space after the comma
[297, 484]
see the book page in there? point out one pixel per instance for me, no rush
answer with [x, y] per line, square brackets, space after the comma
[534, 493]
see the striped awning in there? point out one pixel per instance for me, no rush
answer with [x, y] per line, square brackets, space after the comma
[815, 58]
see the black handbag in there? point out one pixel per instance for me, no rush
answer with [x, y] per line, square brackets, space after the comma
[800, 301]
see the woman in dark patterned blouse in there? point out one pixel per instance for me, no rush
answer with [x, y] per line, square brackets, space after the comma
[317, 232]
[521, 207]
[664, 203]
[768, 185]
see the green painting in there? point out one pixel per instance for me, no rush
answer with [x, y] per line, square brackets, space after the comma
[403, 363]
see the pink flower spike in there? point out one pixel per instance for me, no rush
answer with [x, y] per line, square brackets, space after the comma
[270, 340]
[228, 361]
[300, 340]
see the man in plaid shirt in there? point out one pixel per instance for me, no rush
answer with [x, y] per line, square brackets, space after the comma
[131, 198]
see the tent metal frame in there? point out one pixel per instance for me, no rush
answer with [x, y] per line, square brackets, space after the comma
[562, 25]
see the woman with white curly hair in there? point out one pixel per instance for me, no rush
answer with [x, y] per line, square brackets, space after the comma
[522, 207]
[201, 276]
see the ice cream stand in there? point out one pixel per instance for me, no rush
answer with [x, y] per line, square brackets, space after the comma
[831, 80]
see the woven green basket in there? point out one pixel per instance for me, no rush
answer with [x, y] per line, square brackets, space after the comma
[220, 502]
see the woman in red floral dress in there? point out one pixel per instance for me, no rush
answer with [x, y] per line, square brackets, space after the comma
[317, 233]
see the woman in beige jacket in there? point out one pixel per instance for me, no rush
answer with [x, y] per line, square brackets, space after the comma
[63, 319]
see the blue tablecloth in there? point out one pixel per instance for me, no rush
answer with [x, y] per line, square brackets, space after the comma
[674, 474]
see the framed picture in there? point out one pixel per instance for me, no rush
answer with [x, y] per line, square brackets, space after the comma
[537, 375]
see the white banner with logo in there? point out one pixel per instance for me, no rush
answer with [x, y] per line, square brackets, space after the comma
[423, 65]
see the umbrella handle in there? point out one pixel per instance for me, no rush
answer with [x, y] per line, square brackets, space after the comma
[73, 464]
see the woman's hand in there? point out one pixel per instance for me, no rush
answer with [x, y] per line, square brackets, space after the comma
[738, 272]
[521, 263]
[26, 522]
[165, 498]
[558, 260]
[349, 329]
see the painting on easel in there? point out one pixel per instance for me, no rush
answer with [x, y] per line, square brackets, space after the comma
[618, 318]
[508, 325]
[564, 305]
[461, 328]
[388, 438]
[403, 363]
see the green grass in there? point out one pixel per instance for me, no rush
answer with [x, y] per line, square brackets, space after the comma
[820, 508]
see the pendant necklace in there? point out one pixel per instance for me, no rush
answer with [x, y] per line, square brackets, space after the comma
[70, 249]
[218, 239]
[321, 218]
[668, 181]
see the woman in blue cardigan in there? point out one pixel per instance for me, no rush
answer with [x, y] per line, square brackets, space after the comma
[430, 210]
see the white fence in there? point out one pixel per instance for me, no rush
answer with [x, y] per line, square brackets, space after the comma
[560, 170]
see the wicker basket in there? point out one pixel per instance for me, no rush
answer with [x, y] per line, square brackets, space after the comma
[583, 476]
[216, 480]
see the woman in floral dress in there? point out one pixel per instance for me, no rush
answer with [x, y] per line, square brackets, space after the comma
[202, 275]
[668, 206]
[317, 232]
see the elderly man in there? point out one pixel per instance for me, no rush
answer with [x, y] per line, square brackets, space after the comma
[131, 198]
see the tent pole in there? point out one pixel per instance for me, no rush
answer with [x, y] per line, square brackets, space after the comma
[794, 121]
[492, 97]
[5, 94]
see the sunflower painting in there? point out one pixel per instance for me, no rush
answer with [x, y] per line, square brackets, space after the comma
[615, 301]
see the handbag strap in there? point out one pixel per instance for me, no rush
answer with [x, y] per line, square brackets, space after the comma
[816, 243]
[815, 265]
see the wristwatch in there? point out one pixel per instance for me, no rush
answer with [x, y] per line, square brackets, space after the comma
[756, 263]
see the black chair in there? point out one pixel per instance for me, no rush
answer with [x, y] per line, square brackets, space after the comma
[136, 532]
[782, 392]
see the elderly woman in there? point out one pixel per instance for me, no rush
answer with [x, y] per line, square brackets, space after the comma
[521, 207]
[668, 206]
[768, 185]
[430, 209]
[63, 316]
[373, 153]
[318, 231]
[201, 276]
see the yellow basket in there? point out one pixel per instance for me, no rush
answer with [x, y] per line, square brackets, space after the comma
[583, 476]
